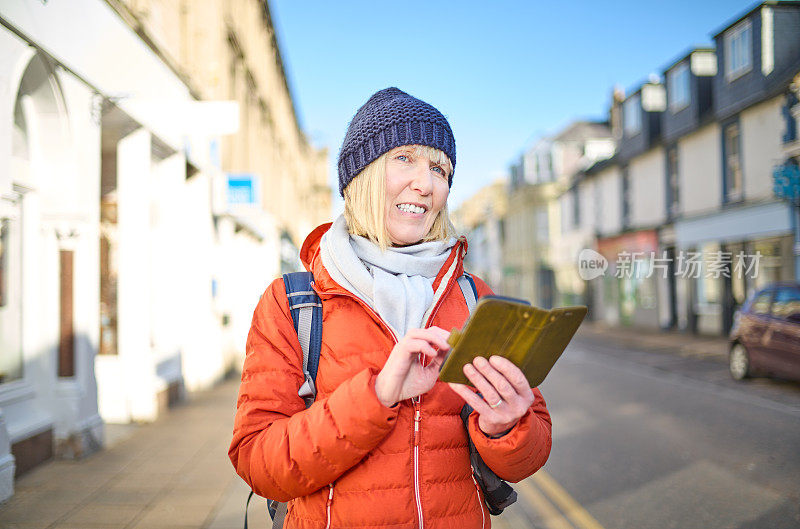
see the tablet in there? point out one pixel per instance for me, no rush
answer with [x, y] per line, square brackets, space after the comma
[532, 338]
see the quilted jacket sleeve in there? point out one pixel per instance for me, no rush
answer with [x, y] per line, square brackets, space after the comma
[281, 449]
[524, 449]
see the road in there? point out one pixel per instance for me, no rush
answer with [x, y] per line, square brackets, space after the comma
[651, 439]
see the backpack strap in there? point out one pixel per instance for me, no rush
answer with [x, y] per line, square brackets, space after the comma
[497, 494]
[469, 290]
[306, 310]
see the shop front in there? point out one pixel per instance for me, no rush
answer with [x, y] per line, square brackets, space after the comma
[738, 251]
[629, 288]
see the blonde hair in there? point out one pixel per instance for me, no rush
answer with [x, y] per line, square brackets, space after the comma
[365, 201]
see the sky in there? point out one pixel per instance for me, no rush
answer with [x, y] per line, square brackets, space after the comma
[504, 73]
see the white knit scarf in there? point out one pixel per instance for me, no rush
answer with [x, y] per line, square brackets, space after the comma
[396, 283]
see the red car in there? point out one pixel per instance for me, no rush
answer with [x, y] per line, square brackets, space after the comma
[765, 339]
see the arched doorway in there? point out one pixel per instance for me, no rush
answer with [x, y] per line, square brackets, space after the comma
[41, 173]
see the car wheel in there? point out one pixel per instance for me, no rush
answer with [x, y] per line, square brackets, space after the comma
[739, 362]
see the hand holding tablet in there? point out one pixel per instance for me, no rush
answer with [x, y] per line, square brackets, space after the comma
[532, 338]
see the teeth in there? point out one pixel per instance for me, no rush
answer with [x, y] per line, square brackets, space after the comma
[410, 208]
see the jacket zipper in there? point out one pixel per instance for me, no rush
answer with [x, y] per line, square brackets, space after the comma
[439, 302]
[328, 507]
[415, 400]
[417, 498]
[480, 500]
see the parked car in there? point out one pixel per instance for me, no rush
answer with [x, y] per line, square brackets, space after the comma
[765, 339]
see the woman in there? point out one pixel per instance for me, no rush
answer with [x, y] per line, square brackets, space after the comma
[383, 444]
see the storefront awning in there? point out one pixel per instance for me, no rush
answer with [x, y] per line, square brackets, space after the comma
[736, 224]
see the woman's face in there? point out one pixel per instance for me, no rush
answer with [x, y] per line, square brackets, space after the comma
[416, 191]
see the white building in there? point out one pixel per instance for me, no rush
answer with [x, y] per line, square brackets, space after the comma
[577, 147]
[49, 222]
[540, 251]
[127, 276]
[480, 219]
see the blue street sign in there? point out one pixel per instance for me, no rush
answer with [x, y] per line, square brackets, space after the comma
[242, 189]
[786, 182]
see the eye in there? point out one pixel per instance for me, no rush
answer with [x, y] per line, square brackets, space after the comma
[438, 169]
[403, 158]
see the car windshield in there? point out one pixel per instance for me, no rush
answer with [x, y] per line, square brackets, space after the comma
[760, 304]
[786, 303]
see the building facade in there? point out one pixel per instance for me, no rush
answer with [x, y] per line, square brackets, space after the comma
[539, 264]
[699, 227]
[739, 218]
[143, 209]
[482, 220]
[688, 213]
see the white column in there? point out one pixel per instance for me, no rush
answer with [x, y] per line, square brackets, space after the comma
[134, 278]
[127, 384]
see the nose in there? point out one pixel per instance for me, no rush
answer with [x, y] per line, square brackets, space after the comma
[422, 181]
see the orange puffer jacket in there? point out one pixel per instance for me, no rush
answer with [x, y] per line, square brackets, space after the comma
[349, 461]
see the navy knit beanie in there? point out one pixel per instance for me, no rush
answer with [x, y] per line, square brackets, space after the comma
[389, 119]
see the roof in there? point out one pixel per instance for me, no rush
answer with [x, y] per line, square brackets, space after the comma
[600, 165]
[268, 18]
[774, 3]
[582, 130]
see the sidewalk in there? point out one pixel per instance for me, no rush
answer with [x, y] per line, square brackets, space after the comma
[173, 473]
[683, 344]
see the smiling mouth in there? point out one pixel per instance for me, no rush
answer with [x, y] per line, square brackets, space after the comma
[411, 208]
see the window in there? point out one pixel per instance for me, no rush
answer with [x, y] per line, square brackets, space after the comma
[709, 288]
[517, 175]
[576, 209]
[790, 123]
[546, 167]
[678, 87]
[632, 115]
[11, 364]
[786, 304]
[542, 225]
[673, 196]
[761, 303]
[3, 266]
[66, 344]
[733, 163]
[738, 50]
[598, 206]
[626, 198]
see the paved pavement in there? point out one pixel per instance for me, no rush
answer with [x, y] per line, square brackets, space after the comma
[175, 472]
